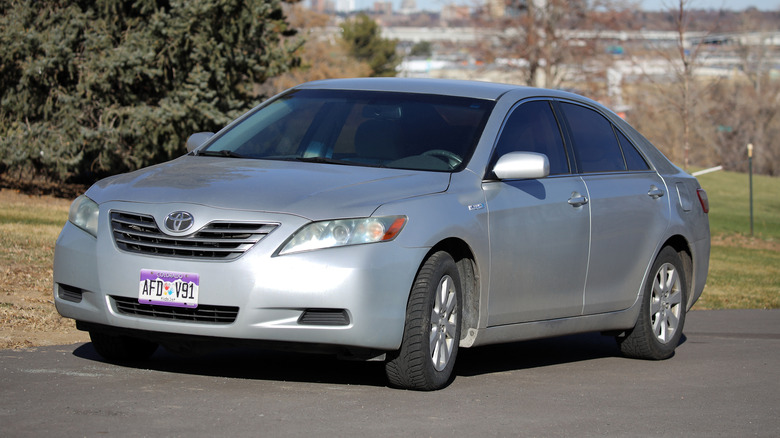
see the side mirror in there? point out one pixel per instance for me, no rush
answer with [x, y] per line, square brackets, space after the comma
[522, 165]
[196, 140]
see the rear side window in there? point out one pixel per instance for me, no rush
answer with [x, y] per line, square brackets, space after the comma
[634, 160]
[595, 145]
[532, 127]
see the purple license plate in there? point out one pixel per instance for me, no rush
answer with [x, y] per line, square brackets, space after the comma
[168, 288]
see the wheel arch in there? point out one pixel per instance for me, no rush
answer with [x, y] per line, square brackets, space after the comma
[469, 275]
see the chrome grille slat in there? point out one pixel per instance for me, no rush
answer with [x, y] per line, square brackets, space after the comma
[221, 240]
[182, 242]
[129, 221]
[184, 247]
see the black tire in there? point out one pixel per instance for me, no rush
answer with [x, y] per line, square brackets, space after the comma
[432, 330]
[662, 316]
[121, 348]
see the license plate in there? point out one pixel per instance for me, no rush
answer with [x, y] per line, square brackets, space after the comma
[168, 288]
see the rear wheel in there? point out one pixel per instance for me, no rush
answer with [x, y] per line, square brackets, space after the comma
[432, 330]
[121, 348]
[659, 326]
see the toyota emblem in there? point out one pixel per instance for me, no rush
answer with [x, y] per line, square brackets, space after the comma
[178, 221]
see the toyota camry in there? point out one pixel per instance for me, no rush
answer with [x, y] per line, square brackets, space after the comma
[392, 219]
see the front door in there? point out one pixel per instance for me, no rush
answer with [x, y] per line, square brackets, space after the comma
[539, 229]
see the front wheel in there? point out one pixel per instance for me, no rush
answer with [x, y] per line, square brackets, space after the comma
[432, 330]
[662, 316]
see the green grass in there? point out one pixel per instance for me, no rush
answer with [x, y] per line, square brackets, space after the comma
[744, 270]
[730, 204]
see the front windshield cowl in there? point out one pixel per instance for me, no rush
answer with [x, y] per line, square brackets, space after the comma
[362, 128]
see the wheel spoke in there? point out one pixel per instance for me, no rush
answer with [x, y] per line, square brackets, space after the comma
[673, 282]
[442, 293]
[450, 306]
[672, 321]
[658, 287]
[658, 324]
[655, 306]
[666, 334]
[433, 340]
[445, 351]
[449, 329]
[663, 278]
[675, 299]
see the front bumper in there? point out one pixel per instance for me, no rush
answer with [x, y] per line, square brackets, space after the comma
[368, 284]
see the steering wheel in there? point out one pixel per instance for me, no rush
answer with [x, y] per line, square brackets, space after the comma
[451, 158]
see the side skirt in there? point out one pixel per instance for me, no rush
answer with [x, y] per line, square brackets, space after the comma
[615, 322]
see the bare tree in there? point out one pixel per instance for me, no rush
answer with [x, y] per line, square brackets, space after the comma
[688, 57]
[747, 108]
[530, 37]
[553, 43]
[675, 100]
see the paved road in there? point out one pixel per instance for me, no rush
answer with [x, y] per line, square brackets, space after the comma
[723, 381]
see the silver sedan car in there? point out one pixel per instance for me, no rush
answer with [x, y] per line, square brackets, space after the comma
[394, 219]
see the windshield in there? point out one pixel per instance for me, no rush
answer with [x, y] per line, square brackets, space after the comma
[367, 128]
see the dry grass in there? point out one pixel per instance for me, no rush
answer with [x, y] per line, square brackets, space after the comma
[29, 226]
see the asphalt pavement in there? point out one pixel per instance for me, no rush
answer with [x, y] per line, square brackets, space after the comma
[724, 380]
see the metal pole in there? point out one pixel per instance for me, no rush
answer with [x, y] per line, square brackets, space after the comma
[750, 173]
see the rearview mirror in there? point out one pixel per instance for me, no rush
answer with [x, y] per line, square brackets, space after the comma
[196, 140]
[522, 165]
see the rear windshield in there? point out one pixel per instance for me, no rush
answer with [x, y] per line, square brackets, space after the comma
[366, 128]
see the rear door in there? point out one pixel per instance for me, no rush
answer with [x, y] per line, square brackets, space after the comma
[629, 209]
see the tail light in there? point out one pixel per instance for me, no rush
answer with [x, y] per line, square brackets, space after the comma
[705, 203]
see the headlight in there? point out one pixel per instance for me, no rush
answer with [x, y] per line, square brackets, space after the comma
[344, 232]
[84, 214]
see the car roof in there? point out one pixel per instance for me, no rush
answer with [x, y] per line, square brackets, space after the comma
[447, 87]
[451, 87]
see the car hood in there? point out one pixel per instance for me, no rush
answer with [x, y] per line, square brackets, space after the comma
[311, 190]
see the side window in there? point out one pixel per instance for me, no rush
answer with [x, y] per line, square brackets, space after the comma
[595, 144]
[532, 128]
[634, 160]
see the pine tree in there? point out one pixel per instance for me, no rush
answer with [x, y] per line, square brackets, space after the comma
[364, 40]
[90, 88]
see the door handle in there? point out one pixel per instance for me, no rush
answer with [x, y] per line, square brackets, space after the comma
[578, 201]
[655, 192]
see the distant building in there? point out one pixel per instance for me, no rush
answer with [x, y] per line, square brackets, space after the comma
[451, 13]
[345, 5]
[385, 8]
[511, 8]
[322, 6]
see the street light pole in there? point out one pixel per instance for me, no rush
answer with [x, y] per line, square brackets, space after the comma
[750, 173]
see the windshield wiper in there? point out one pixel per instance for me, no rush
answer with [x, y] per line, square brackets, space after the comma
[326, 160]
[222, 153]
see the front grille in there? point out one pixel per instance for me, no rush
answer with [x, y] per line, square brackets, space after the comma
[203, 313]
[324, 317]
[219, 240]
